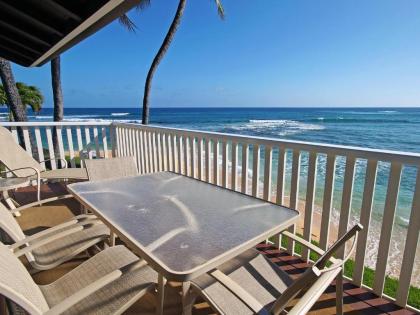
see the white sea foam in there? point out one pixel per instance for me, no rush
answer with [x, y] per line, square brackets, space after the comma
[101, 120]
[43, 117]
[282, 127]
[388, 111]
[120, 114]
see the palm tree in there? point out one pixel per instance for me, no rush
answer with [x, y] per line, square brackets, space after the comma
[28, 95]
[56, 87]
[127, 23]
[10, 92]
[162, 51]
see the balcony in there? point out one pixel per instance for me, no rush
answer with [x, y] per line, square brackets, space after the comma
[332, 186]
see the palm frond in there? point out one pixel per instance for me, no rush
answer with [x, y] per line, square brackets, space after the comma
[220, 9]
[127, 23]
[142, 5]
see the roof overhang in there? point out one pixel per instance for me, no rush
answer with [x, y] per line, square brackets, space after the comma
[32, 32]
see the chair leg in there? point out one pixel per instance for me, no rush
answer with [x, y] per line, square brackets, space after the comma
[339, 293]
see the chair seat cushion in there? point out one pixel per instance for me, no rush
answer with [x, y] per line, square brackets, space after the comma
[66, 247]
[66, 173]
[110, 298]
[252, 271]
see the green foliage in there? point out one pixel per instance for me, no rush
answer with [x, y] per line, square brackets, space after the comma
[30, 95]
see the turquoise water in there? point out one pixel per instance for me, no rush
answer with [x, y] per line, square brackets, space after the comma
[380, 128]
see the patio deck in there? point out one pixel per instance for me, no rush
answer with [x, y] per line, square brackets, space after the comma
[356, 300]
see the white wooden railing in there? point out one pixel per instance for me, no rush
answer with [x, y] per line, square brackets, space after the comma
[214, 157]
[260, 167]
[74, 140]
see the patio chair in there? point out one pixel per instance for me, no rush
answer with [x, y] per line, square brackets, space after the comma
[22, 164]
[252, 284]
[108, 283]
[100, 169]
[56, 245]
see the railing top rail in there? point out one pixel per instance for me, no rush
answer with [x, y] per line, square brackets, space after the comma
[408, 158]
[54, 123]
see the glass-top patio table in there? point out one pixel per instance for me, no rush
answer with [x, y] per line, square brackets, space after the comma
[181, 226]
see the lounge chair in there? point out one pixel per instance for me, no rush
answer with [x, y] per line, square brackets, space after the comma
[108, 283]
[100, 169]
[53, 246]
[22, 164]
[252, 284]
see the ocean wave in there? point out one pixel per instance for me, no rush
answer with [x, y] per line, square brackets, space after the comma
[120, 114]
[102, 120]
[280, 127]
[41, 117]
[388, 111]
[359, 121]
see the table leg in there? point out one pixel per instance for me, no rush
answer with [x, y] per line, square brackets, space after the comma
[186, 299]
[161, 294]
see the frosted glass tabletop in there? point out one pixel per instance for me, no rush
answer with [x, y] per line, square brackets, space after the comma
[182, 227]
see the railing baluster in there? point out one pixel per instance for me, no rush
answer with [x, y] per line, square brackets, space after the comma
[208, 152]
[309, 202]
[268, 167]
[234, 170]
[39, 145]
[159, 152]
[245, 158]
[346, 200]
[50, 148]
[104, 142]
[411, 244]
[96, 139]
[151, 151]
[113, 139]
[169, 152]
[146, 151]
[225, 164]
[193, 148]
[88, 142]
[164, 151]
[281, 174]
[327, 201]
[80, 145]
[216, 174]
[187, 156]
[387, 225]
[27, 140]
[200, 158]
[138, 150]
[365, 214]
[15, 134]
[59, 135]
[181, 154]
[294, 195]
[174, 153]
[256, 170]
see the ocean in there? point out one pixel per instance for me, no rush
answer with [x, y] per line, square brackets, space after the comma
[378, 128]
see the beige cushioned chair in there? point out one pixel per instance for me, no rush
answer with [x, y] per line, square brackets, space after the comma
[108, 283]
[22, 164]
[51, 247]
[252, 284]
[100, 169]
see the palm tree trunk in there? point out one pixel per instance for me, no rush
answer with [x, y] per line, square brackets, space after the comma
[159, 56]
[13, 98]
[58, 98]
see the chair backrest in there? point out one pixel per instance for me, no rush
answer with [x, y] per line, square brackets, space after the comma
[9, 224]
[17, 285]
[314, 274]
[100, 169]
[13, 156]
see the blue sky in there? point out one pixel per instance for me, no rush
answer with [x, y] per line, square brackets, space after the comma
[265, 53]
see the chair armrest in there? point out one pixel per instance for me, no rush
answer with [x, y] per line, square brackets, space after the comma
[41, 202]
[312, 295]
[93, 287]
[305, 243]
[56, 159]
[48, 231]
[45, 240]
[36, 171]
